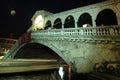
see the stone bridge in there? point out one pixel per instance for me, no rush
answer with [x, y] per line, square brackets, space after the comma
[81, 37]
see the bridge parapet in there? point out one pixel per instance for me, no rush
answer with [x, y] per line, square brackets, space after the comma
[102, 33]
[13, 49]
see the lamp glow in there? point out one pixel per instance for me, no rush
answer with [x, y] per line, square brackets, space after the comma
[38, 24]
[61, 72]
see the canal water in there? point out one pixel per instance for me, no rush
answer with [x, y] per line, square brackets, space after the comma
[52, 74]
[33, 75]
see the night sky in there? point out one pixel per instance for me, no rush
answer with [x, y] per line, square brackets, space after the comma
[17, 24]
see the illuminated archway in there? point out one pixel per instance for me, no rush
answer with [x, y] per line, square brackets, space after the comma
[48, 25]
[38, 22]
[69, 22]
[57, 24]
[106, 17]
[85, 18]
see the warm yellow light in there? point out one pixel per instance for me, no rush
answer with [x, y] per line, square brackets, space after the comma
[69, 17]
[84, 25]
[38, 24]
[12, 12]
[1, 57]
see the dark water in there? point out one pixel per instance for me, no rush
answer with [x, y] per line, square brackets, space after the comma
[52, 74]
[34, 75]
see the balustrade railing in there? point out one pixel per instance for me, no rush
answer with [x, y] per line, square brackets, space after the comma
[7, 41]
[91, 33]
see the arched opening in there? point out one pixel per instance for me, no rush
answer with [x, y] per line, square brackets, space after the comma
[106, 17]
[48, 25]
[36, 51]
[38, 22]
[39, 51]
[57, 24]
[85, 19]
[69, 22]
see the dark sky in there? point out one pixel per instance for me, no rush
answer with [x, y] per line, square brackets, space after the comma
[25, 9]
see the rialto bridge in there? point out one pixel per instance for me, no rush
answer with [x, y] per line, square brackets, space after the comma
[81, 37]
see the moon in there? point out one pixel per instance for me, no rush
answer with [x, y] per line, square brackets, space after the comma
[12, 12]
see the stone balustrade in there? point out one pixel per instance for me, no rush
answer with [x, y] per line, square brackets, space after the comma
[104, 33]
[7, 41]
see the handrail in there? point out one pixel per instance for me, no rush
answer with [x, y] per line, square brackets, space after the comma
[91, 33]
[7, 41]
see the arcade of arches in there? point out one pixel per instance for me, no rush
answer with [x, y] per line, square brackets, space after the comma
[104, 17]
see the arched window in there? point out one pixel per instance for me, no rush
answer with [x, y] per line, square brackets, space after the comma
[84, 19]
[57, 24]
[69, 22]
[48, 25]
[106, 17]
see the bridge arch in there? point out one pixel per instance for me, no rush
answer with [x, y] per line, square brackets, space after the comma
[106, 17]
[48, 24]
[35, 51]
[57, 23]
[84, 18]
[69, 22]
